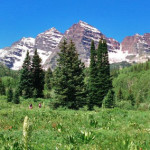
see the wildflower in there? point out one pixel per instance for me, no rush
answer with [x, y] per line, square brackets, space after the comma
[26, 132]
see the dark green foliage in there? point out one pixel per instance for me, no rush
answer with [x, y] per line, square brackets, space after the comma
[107, 81]
[9, 95]
[108, 101]
[131, 98]
[100, 74]
[137, 79]
[37, 74]
[25, 83]
[119, 95]
[35, 94]
[100, 81]
[32, 77]
[92, 79]
[2, 88]
[16, 99]
[69, 78]
[5, 71]
[48, 79]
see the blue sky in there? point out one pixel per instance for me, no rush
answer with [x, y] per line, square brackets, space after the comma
[114, 18]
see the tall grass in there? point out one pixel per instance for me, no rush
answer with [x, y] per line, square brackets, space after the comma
[102, 129]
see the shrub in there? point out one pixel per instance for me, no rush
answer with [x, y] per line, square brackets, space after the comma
[124, 105]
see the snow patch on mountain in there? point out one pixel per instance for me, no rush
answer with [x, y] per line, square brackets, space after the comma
[117, 56]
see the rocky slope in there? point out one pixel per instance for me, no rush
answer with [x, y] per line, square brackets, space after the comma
[82, 34]
[137, 47]
[133, 48]
[45, 43]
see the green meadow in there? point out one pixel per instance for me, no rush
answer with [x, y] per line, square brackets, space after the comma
[63, 129]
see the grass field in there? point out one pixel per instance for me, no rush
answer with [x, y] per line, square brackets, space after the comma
[60, 129]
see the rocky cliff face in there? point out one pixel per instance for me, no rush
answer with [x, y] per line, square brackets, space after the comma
[48, 40]
[82, 34]
[137, 46]
[133, 48]
[45, 43]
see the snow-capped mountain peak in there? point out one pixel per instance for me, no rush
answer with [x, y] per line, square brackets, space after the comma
[133, 48]
[87, 26]
[48, 40]
[28, 41]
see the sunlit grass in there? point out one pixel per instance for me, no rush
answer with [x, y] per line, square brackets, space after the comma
[73, 130]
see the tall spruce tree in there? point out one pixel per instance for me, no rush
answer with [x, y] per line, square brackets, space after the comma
[25, 83]
[37, 74]
[104, 81]
[106, 65]
[93, 78]
[100, 80]
[70, 89]
[100, 73]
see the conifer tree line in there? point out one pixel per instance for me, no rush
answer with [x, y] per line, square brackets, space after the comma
[71, 90]
[31, 82]
[68, 79]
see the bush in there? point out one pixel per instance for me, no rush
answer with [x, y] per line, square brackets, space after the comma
[108, 101]
[144, 106]
[124, 105]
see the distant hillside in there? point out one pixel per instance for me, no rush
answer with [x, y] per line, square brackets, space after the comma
[135, 80]
[5, 71]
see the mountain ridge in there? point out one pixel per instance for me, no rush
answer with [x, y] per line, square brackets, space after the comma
[132, 49]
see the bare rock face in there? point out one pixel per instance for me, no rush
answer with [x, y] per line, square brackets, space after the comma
[137, 44]
[48, 40]
[82, 34]
[137, 47]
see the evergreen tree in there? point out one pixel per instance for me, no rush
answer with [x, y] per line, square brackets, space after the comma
[2, 88]
[107, 81]
[37, 74]
[100, 73]
[70, 89]
[48, 79]
[9, 94]
[25, 83]
[108, 101]
[104, 81]
[100, 81]
[16, 99]
[92, 79]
